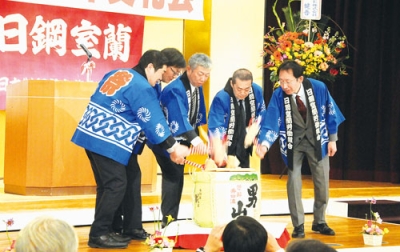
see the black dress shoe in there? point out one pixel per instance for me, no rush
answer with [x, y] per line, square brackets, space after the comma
[137, 234]
[298, 232]
[106, 241]
[323, 229]
[120, 237]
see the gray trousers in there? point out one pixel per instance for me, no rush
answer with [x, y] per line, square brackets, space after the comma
[320, 177]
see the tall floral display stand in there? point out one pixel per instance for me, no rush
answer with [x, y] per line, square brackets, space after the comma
[320, 49]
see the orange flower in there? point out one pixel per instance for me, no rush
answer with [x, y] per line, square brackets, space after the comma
[299, 41]
[320, 40]
[332, 59]
[323, 66]
[286, 44]
[341, 44]
[338, 50]
[277, 55]
[293, 35]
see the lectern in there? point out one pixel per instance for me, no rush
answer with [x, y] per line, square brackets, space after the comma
[40, 159]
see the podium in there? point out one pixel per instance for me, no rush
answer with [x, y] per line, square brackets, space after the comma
[40, 159]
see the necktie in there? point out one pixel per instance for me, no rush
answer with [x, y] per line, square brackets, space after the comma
[242, 119]
[302, 109]
[240, 150]
[193, 105]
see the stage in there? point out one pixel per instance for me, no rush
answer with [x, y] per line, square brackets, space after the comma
[78, 210]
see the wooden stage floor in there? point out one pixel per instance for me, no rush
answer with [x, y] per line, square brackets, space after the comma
[348, 230]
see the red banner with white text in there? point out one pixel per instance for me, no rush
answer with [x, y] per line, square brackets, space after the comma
[44, 42]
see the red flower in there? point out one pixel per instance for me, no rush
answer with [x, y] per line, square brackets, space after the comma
[158, 240]
[333, 71]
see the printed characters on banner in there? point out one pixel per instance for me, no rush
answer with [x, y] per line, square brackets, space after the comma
[222, 196]
[44, 42]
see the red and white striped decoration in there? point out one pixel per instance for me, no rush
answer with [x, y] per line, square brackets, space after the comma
[200, 166]
[194, 151]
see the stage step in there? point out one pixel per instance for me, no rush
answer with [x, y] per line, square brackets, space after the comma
[389, 210]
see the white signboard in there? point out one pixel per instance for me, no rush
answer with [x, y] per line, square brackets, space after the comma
[310, 9]
[182, 9]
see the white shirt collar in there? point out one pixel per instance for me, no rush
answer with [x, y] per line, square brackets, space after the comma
[192, 88]
[301, 93]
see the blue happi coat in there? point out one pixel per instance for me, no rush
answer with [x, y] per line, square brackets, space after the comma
[220, 109]
[273, 123]
[123, 104]
[175, 103]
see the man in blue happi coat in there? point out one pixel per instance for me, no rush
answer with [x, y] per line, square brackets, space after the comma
[306, 118]
[128, 218]
[183, 104]
[232, 110]
[124, 104]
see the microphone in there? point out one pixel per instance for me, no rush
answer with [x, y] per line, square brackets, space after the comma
[88, 53]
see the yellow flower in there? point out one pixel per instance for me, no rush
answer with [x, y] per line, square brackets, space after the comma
[327, 51]
[169, 219]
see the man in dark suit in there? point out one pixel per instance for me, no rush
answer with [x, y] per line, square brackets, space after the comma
[306, 118]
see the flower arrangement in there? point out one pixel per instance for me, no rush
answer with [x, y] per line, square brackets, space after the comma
[307, 42]
[371, 227]
[158, 240]
[9, 223]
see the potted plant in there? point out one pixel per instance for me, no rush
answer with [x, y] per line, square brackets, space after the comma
[372, 233]
[9, 223]
[158, 242]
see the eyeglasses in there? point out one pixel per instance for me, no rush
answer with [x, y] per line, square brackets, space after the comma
[176, 73]
[288, 82]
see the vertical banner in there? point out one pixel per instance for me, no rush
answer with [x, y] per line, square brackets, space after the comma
[44, 42]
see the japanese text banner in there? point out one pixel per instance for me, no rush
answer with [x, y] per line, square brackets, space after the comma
[182, 9]
[44, 42]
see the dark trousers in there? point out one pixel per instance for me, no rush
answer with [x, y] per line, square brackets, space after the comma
[129, 214]
[111, 182]
[171, 187]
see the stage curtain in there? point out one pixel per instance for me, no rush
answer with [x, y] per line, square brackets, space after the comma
[369, 97]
